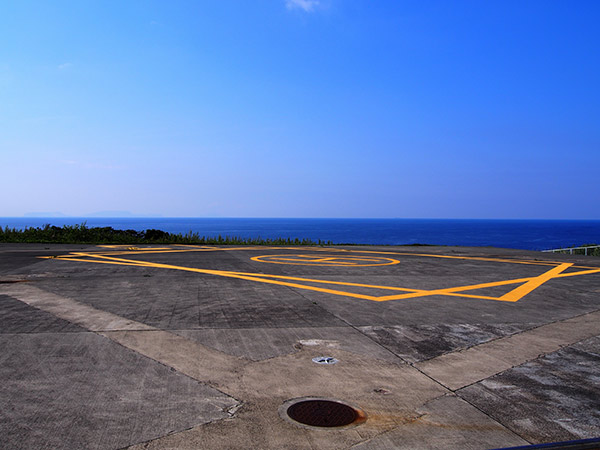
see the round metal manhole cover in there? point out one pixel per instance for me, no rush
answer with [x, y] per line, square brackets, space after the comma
[323, 413]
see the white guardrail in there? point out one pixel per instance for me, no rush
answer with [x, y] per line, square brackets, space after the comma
[570, 249]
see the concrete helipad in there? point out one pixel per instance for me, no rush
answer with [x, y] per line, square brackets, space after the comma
[199, 347]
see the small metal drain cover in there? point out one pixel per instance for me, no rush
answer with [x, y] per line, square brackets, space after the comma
[323, 413]
[324, 360]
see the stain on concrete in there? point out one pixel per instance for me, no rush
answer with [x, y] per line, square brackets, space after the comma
[422, 342]
[554, 398]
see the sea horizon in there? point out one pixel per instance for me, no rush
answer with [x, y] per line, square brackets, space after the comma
[526, 234]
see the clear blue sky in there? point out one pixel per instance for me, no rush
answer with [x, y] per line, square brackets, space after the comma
[301, 108]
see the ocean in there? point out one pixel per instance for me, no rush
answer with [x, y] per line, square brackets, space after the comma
[519, 234]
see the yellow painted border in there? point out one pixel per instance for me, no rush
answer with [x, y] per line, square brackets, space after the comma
[323, 260]
[525, 285]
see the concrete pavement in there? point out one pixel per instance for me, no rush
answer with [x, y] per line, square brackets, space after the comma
[198, 347]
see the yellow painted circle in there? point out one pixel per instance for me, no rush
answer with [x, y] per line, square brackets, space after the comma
[326, 260]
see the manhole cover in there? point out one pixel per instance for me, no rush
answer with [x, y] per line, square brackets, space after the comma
[324, 413]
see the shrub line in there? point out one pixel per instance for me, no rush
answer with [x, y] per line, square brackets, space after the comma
[81, 234]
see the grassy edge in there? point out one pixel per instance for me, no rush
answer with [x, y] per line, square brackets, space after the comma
[81, 234]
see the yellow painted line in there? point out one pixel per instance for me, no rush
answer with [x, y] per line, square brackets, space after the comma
[415, 292]
[303, 286]
[133, 246]
[310, 260]
[357, 258]
[98, 261]
[328, 249]
[462, 294]
[475, 258]
[581, 272]
[259, 278]
[262, 278]
[252, 277]
[119, 261]
[228, 249]
[141, 252]
[530, 283]
[313, 262]
[521, 291]
[453, 290]
[430, 255]
[393, 288]
[340, 283]
[276, 258]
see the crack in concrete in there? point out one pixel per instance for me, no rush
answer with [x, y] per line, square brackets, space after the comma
[465, 367]
[259, 387]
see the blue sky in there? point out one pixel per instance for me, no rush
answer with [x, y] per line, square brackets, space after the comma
[301, 108]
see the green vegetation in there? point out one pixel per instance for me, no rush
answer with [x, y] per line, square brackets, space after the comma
[81, 234]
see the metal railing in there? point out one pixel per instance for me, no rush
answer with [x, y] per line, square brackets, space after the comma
[571, 249]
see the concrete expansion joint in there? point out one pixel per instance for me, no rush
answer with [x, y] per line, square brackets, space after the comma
[358, 330]
[48, 333]
[171, 433]
[500, 424]
[511, 367]
[425, 374]
[542, 325]
[202, 394]
[121, 330]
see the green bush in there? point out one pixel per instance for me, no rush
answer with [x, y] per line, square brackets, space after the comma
[81, 234]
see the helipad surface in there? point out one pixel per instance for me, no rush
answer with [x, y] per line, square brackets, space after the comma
[198, 347]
